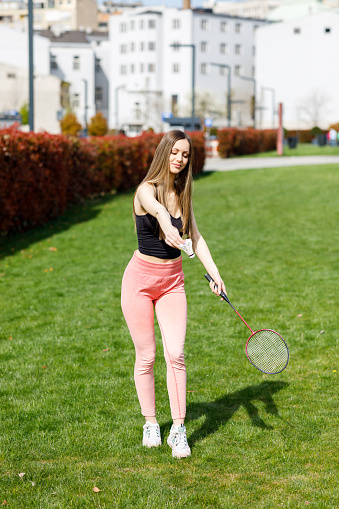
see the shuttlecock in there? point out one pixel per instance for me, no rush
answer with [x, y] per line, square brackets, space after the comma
[187, 247]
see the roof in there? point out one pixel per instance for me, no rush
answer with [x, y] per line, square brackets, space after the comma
[72, 36]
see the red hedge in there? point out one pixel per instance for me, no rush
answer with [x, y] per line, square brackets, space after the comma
[41, 174]
[239, 142]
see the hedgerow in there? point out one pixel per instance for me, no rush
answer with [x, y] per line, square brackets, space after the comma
[238, 142]
[41, 174]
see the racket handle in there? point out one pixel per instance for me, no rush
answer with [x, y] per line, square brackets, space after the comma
[222, 294]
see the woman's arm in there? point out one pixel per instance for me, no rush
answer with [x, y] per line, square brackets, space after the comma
[146, 200]
[203, 253]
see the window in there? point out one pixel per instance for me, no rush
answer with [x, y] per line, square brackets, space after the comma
[223, 48]
[141, 46]
[175, 46]
[123, 48]
[253, 51]
[141, 67]
[327, 30]
[123, 27]
[296, 30]
[223, 70]
[97, 65]
[132, 68]
[175, 23]
[203, 68]
[204, 24]
[238, 49]
[98, 97]
[255, 27]
[238, 70]
[204, 46]
[176, 68]
[238, 28]
[76, 101]
[151, 46]
[253, 71]
[223, 26]
[11, 75]
[151, 67]
[141, 24]
[132, 46]
[76, 63]
[131, 25]
[123, 69]
[151, 23]
[53, 62]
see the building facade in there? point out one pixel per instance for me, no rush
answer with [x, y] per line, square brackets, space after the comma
[295, 62]
[153, 54]
[260, 9]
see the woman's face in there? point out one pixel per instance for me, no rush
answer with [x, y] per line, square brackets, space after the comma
[179, 156]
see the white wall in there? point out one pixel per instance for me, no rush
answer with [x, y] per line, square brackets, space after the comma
[302, 69]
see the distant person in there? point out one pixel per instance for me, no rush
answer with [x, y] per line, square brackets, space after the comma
[332, 136]
[154, 279]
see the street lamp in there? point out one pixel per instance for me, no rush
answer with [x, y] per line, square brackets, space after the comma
[30, 65]
[119, 87]
[229, 115]
[86, 104]
[273, 103]
[179, 45]
[254, 81]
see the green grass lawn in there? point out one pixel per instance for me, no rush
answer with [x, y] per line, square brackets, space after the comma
[302, 149]
[70, 419]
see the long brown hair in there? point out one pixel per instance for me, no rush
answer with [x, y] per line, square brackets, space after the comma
[158, 176]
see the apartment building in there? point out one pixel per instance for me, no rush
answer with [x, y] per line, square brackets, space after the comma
[153, 53]
[57, 15]
[247, 8]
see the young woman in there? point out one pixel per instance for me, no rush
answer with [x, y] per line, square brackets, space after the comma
[154, 279]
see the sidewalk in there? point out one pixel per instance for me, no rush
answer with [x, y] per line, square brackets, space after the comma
[252, 163]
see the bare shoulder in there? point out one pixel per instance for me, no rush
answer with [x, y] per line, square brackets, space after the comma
[143, 193]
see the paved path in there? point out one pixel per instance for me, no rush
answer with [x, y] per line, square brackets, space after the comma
[249, 163]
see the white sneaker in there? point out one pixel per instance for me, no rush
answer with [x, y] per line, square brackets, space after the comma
[177, 440]
[151, 435]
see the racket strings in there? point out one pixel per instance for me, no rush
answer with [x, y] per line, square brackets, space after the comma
[267, 351]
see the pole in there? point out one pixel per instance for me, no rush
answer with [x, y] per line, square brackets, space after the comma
[280, 141]
[86, 104]
[30, 65]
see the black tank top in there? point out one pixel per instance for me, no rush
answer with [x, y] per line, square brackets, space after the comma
[148, 240]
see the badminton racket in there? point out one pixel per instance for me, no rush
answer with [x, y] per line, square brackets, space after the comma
[266, 349]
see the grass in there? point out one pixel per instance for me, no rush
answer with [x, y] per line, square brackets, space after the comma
[69, 417]
[302, 149]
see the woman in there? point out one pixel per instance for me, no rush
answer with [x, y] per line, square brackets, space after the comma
[154, 279]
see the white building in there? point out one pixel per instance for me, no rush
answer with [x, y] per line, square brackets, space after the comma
[247, 8]
[77, 59]
[296, 61]
[50, 14]
[151, 74]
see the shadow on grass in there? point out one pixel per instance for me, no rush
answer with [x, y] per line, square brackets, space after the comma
[217, 413]
[79, 213]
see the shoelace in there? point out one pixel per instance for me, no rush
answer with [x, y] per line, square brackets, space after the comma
[152, 432]
[181, 439]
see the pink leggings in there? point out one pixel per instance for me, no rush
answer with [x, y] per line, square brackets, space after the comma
[146, 286]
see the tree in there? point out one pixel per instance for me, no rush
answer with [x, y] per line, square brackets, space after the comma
[313, 108]
[70, 125]
[98, 125]
[24, 112]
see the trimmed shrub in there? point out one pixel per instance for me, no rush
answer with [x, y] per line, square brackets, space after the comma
[238, 142]
[41, 174]
[98, 125]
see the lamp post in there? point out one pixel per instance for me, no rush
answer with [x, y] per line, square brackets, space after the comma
[119, 87]
[273, 103]
[229, 114]
[179, 45]
[30, 65]
[86, 104]
[255, 86]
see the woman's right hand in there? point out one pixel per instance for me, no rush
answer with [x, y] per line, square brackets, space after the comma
[172, 237]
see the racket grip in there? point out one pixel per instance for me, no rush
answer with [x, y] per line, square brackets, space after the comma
[222, 294]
